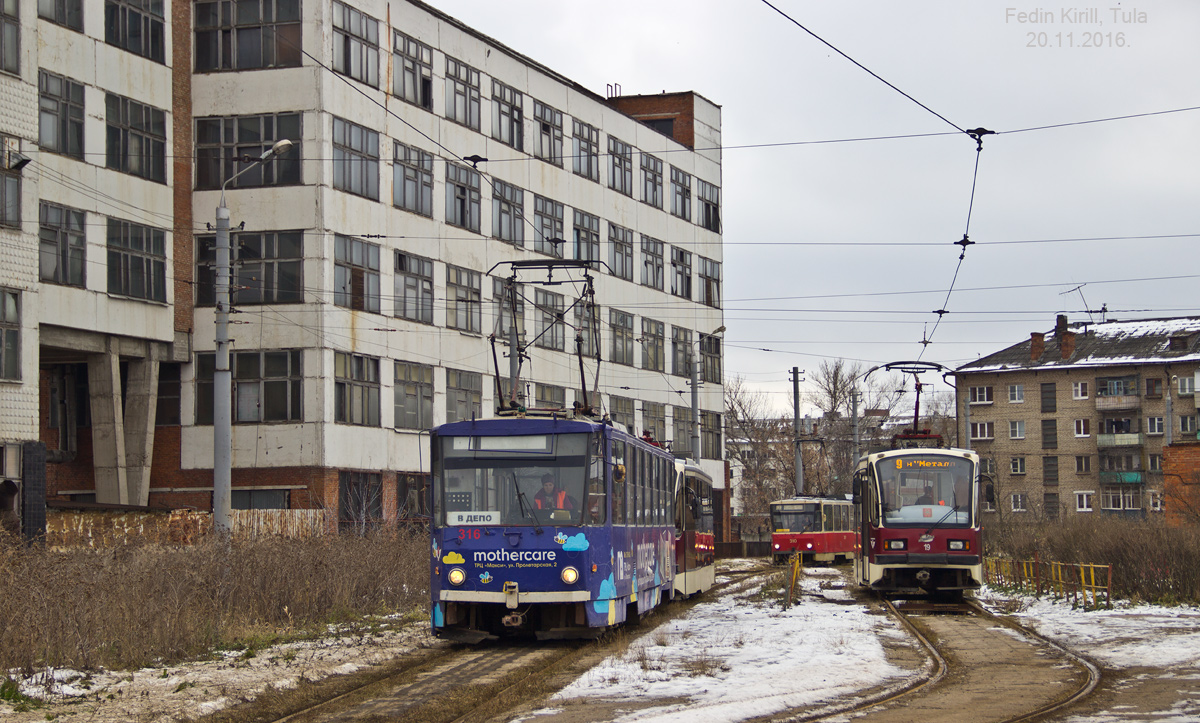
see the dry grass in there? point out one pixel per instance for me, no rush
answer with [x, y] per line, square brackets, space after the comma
[1151, 561]
[140, 606]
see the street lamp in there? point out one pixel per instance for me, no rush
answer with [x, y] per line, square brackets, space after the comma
[222, 379]
[696, 396]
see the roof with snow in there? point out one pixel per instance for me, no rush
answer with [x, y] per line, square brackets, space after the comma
[1110, 343]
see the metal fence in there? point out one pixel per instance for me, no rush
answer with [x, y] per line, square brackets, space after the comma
[1085, 585]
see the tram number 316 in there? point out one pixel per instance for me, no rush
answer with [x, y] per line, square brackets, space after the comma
[475, 534]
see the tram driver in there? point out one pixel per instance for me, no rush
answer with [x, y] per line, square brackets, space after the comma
[550, 497]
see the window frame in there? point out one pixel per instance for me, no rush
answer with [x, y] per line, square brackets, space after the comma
[129, 252]
[356, 277]
[412, 179]
[621, 323]
[242, 136]
[1085, 500]
[464, 395]
[585, 235]
[10, 334]
[983, 431]
[508, 213]
[463, 198]
[220, 42]
[121, 15]
[267, 269]
[508, 120]
[412, 287]
[548, 217]
[585, 142]
[652, 263]
[261, 382]
[652, 180]
[708, 282]
[63, 111]
[550, 308]
[412, 395]
[1083, 428]
[356, 389]
[462, 94]
[620, 241]
[681, 194]
[1079, 390]
[355, 44]
[1016, 393]
[71, 12]
[549, 140]
[355, 159]
[681, 272]
[1083, 464]
[709, 197]
[124, 135]
[64, 239]
[620, 166]
[1016, 465]
[1016, 429]
[681, 351]
[463, 299]
[653, 345]
[412, 81]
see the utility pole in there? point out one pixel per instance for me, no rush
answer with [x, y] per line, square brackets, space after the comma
[854, 428]
[695, 404]
[796, 372]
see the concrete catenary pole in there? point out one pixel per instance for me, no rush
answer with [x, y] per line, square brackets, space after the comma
[796, 423]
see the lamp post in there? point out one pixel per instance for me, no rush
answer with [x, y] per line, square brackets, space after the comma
[696, 397]
[222, 378]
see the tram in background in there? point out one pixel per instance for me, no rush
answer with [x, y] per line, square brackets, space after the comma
[625, 527]
[919, 526]
[821, 529]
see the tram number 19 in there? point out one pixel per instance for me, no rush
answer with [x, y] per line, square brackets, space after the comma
[928, 547]
[469, 534]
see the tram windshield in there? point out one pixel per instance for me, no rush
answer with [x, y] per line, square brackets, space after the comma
[926, 490]
[528, 480]
[796, 517]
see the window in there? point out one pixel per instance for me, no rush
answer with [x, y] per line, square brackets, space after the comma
[710, 205]
[220, 142]
[355, 274]
[1049, 400]
[412, 495]
[710, 359]
[987, 465]
[1083, 501]
[463, 299]
[267, 386]
[547, 226]
[356, 389]
[1187, 423]
[1016, 393]
[136, 138]
[1050, 470]
[1083, 464]
[1079, 390]
[137, 261]
[1049, 434]
[60, 115]
[709, 290]
[413, 281]
[412, 179]
[587, 236]
[681, 194]
[652, 180]
[260, 499]
[1154, 501]
[586, 160]
[413, 66]
[1117, 426]
[979, 395]
[622, 337]
[261, 34]
[508, 213]
[462, 197]
[652, 263]
[1187, 385]
[710, 435]
[681, 419]
[10, 191]
[360, 500]
[653, 345]
[62, 248]
[133, 25]
[587, 327]
[1017, 465]
[63, 12]
[681, 272]
[620, 167]
[1050, 504]
[654, 420]
[1154, 462]
[170, 391]
[621, 261]
[355, 159]
[681, 351]
[550, 327]
[549, 146]
[622, 412]
[413, 396]
[355, 44]
[983, 430]
[267, 268]
[1016, 430]
[1124, 497]
[506, 115]
[462, 93]
[1118, 463]
[507, 311]
[1154, 425]
[1154, 387]
[1019, 503]
[10, 334]
[548, 396]
[1083, 427]
[10, 33]
[464, 394]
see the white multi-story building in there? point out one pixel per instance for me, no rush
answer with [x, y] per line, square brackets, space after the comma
[370, 261]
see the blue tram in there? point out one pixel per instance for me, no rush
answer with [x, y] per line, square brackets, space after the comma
[559, 527]
[918, 518]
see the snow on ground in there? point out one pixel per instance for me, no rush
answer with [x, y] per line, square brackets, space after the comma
[743, 656]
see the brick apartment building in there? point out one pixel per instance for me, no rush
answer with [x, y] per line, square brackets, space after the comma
[369, 272]
[1081, 420]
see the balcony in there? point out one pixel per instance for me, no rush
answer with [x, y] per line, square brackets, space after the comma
[1135, 439]
[1133, 477]
[1117, 402]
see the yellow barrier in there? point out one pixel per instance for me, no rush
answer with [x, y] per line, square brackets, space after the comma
[1082, 584]
[795, 565]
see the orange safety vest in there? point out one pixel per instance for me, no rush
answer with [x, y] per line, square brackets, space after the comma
[560, 502]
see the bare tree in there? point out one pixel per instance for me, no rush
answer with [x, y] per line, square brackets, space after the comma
[836, 381]
[760, 443]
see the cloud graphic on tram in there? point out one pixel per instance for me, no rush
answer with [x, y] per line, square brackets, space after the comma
[608, 590]
[576, 543]
[453, 558]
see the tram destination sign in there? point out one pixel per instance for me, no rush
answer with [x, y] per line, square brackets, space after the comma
[472, 517]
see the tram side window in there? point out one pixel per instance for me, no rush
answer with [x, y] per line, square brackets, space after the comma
[656, 501]
[827, 518]
[596, 504]
[618, 490]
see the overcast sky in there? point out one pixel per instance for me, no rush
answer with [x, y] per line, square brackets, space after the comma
[845, 249]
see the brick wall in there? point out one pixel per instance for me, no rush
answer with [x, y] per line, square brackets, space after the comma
[181, 131]
[678, 106]
[1181, 473]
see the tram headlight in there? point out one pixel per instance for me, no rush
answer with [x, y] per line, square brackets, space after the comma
[776, 545]
[959, 545]
[895, 544]
[456, 576]
[569, 575]
[808, 545]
